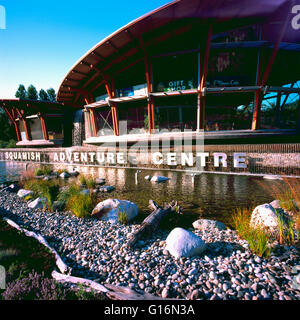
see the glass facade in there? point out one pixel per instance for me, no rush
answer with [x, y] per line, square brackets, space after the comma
[175, 73]
[233, 63]
[35, 128]
[228, 111]
[232, 68]
[22, 130]
[249, 33]
[54, 127]
[279, 111]
[104, 122]
[176, 114]
[133, 117]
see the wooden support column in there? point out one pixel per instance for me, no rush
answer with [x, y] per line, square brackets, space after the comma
[203, 69]
[149, 80]
[89, 100]
[44, 126]
[111, 91]
[263, 78]
[23, 118]
[12, 118]
[258, 93]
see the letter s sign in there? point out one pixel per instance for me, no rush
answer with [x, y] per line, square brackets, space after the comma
[296, 19]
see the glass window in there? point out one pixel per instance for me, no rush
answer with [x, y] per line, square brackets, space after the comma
[175, 73]
[228, 111]
[54, 127]
[249, 33]
[176, 114]
[279, 111]
[133, 117]
[22, 130]
[104, 122]
[88, 124]
[232, 68]
[35, 129]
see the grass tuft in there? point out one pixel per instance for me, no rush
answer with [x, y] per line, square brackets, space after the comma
[80, 205]
[258, 238]
[123, 217]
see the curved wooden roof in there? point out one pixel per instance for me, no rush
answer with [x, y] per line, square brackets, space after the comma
[90, 72]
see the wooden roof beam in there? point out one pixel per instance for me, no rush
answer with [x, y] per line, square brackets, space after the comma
[98, 55]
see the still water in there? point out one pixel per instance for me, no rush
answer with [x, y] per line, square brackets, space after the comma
[213, 196]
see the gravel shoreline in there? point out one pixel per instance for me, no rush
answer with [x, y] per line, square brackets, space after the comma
[227, 270]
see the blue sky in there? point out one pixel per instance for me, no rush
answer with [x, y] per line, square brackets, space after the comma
[43, 39]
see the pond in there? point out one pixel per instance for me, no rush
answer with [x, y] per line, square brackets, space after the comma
[213, 196]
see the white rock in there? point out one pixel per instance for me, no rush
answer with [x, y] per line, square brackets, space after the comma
[275, 204]
[37, 203]
[100, 181]
[165, 293]
[159, 179]
[22, 193]
[64, 175]
[183, 243]
[109, 210]
[208, 225]
[107, 189]
[264, 216]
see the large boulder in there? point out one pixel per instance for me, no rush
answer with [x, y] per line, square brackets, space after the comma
[183, 243]
[22, 193]
[110, 209]
[38, 203]
[208, 225]
[266, 216]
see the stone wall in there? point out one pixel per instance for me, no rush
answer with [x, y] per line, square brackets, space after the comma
[260, 159]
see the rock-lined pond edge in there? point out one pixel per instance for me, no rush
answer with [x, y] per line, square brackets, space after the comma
[95, 250]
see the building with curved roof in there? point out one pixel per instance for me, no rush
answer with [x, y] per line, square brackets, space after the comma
[226, 67]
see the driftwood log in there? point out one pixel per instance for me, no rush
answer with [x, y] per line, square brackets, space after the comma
[124, 293]
[151, 223]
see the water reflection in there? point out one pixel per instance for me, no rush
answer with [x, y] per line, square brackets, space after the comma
[10, 170]
[211, 195]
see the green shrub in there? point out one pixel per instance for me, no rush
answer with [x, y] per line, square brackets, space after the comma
[82, 180]
[80, 205]
[47, 170]
[259, 242]
[88, 181]
[123, 217]
[91, 183]
[11, 144]
[38, 172]
[258, 238]
[286, 230]
[43, 189]
[44, 170]
[68, 193]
